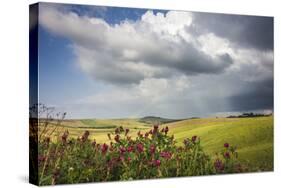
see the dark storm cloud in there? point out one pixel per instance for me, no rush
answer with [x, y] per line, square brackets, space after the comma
[245, 31]
[187, 59]
[256, 96]
[196, 62]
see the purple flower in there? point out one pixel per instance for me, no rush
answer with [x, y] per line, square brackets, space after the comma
[155, 129]
[130, 149]
[117, 130]
[146, 134]
[227, 155]
[156, 163]
[166, 154]
[127, 131]
[194, 138]
[85, 136]
[140, 147]
[226, 145]
[64, 136]
[186, 142]
[104, 148]
[219, 166]
[122, 150]
[117, 138]
[152, 149]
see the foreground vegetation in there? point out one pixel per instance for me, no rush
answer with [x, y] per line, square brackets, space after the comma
[253, 136]
[91, 150]
[152, 154]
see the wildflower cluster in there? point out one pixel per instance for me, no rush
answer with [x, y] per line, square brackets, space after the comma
[152, 154]
[227, 161]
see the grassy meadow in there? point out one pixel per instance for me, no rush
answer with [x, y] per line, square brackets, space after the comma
[253, 136]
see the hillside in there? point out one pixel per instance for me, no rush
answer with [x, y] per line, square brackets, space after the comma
[157, 120]
[252, 136]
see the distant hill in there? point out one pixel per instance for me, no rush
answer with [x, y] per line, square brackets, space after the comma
[157, 120]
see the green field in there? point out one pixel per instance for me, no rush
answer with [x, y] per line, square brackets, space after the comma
[98, 128]
[252, 136]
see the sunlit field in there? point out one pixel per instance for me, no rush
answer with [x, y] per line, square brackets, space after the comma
[253, 137]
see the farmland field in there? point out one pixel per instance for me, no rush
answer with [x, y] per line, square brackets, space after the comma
[253, 137]
[98, 128]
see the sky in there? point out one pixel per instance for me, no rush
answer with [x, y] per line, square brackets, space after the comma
[109, 62]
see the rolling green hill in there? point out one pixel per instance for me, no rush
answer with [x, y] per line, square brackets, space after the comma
[157, 120]
[252, 136]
